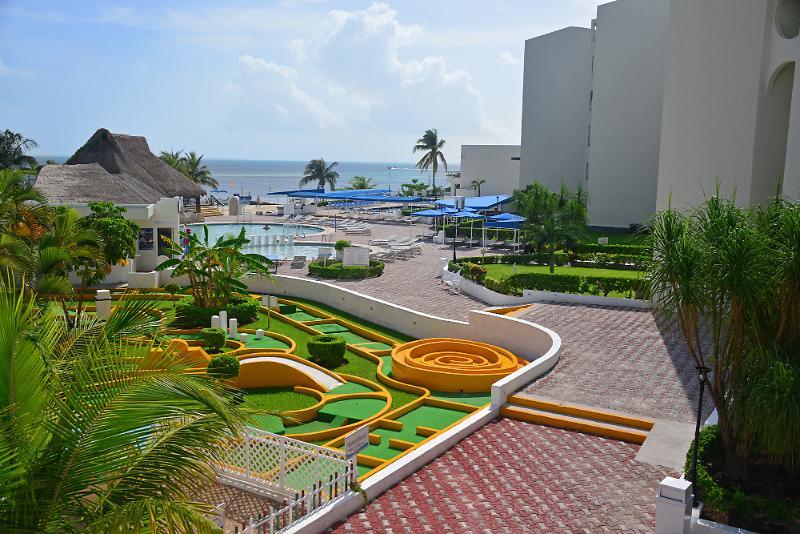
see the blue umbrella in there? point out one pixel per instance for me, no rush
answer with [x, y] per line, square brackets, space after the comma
[507, 217]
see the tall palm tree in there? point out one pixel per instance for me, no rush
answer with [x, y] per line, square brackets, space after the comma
[317, 170]
[197, 172]
[476, 185]
[431, 145]
[99, 432]
[13, 148]
[360, 182]
[175, 159]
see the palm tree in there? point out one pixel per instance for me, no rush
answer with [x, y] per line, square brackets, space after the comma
[360, 182]
[13, 146]
[476, 185]
[431, 145]
[317, 170]
[197, 172]
[730, 277]
[23, 210]
[414, 188]
[99, 432]
[175, 159]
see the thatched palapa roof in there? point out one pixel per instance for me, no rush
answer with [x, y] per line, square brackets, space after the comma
[130, 155]
[78, 184]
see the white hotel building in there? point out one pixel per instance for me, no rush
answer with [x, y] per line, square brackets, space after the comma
[657, 100]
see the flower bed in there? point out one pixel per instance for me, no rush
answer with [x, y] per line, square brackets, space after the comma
[335, 269]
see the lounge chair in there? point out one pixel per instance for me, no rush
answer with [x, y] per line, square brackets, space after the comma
[451, 281]
[298, 262]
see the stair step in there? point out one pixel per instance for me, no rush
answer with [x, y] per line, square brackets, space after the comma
[583, 412]
[589, 426]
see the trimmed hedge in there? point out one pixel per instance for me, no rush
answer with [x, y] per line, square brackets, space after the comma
[213, 338]
[223, 366]
[242, 308]
[473, 271]
[519, 259]
[753, 510]
[565, 283]
[327, 350]
[630, 250]
[335, 269]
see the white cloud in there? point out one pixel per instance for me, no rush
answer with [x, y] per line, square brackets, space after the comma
[508, 58]
[356, 71]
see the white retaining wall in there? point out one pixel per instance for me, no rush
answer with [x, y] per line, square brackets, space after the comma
[529, 296]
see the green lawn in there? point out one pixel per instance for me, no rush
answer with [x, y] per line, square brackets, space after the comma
[501, 270]
[591, 236]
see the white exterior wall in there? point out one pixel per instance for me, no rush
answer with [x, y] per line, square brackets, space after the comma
[628, 84]
[711, 92]
[555, 108]
[492, 163]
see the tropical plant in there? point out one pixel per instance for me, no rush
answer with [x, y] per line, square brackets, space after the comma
[476, 185]
[214, 268]
[553, 221]
[730, 277]
[431, 146]
[190, 165]
[436, 191]
[117, 233]
[197, 172]
[341, 244]
[327, 350]
[319, 172]
[13, 148]
[23, 209]
[100, 433]
[360, 182]
[413, 189]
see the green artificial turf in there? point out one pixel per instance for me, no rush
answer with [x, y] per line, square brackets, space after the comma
[329, 328]
[353, 408]
[301, 316]
[265, 343]
[349, 387]
[499, 271]
[615, 238]
[473, 399]
[277, 399]
[356, 365]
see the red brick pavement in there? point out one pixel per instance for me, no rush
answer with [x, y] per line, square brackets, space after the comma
[618, 359]
[512, 476]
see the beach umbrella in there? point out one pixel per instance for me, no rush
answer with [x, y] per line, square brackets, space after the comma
[465, 214]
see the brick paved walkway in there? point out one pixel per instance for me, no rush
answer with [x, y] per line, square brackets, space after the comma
[512, 476]
[618, 359]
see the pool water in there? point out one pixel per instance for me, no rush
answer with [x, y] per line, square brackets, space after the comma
[273, 251]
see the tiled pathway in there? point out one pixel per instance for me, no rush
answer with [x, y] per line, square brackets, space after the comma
[513, 477]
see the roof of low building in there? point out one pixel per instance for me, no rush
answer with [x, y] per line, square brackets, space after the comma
[78, 184]
[130, 156]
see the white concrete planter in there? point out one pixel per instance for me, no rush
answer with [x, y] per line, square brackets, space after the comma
[494, 298]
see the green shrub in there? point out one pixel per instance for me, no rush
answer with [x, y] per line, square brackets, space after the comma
[632, 250]
[327, 350]
[223, 366]
[474, 272]
[753, 510]
[173, 288]
[565, 283]
[336, 269]
[519, 259]
[341, 244]
[243, 308]
[213, 339]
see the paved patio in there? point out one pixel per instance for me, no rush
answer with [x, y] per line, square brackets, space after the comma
[512, 476]
[618, 359]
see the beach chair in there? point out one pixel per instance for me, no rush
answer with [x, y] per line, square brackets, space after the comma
[298, 262]
[451, 281]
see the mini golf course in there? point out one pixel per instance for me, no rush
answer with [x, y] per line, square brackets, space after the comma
[407, 391]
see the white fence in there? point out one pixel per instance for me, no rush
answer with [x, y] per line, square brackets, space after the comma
[299, 477]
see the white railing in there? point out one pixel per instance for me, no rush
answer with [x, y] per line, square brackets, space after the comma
[300, 505]
[279, 467]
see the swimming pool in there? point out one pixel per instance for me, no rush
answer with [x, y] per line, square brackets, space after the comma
[276, 231]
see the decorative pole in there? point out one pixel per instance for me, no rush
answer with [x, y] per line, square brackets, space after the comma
[703, 374]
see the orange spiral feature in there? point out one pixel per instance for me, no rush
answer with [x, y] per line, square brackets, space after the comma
[452, 365]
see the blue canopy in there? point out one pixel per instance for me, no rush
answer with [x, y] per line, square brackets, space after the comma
[428, 213]
[507, 217]
[480, 203]
[466, 214]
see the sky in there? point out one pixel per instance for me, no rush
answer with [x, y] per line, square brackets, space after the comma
[282, 80]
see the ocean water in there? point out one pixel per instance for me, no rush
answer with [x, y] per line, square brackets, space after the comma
[259, 178]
